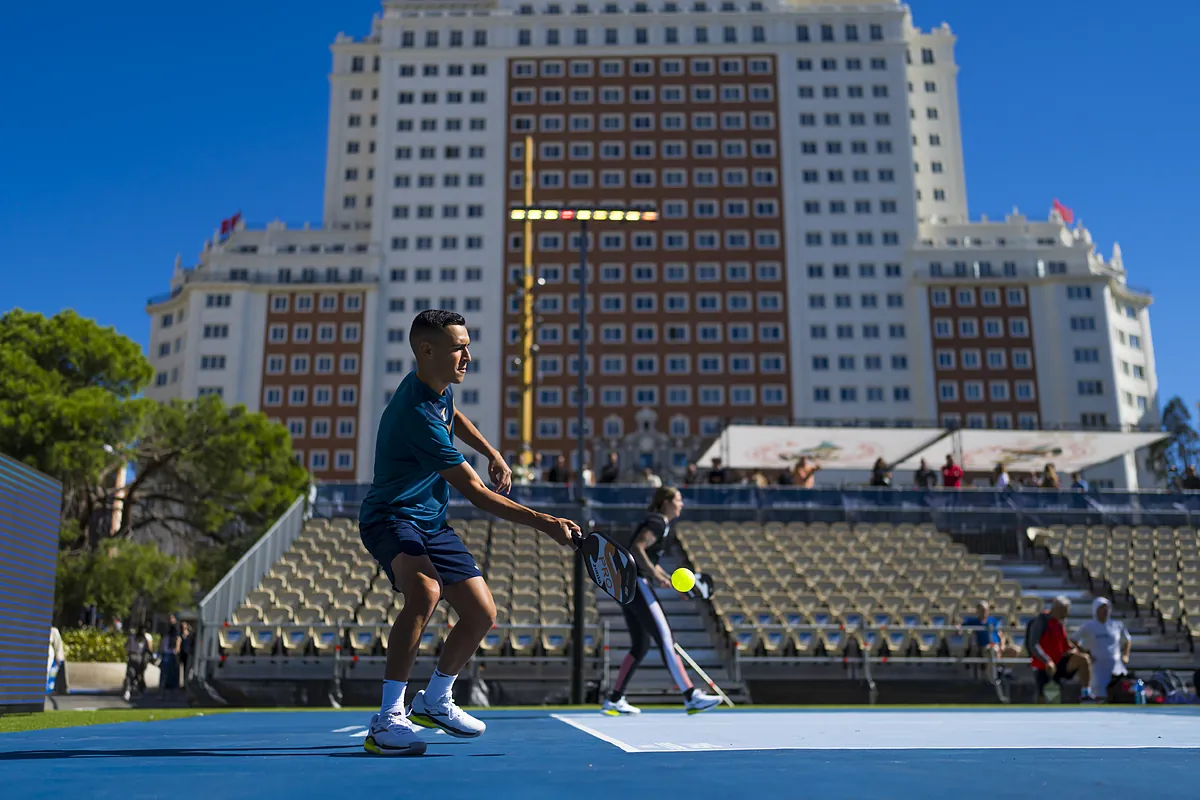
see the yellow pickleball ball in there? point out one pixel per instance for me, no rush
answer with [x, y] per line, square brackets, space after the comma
[683, 579]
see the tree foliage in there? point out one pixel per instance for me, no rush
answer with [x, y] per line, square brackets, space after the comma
[126, 580]
[1181, 448]
[204, 480]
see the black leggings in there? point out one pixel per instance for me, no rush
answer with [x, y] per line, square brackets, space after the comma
[645, 618]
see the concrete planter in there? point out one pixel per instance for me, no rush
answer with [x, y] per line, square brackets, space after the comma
[104, 676]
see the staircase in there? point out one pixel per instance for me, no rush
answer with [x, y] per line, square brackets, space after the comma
[694, 628]
[1152, 648]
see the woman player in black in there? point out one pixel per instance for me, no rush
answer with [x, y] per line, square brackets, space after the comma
[644, 615]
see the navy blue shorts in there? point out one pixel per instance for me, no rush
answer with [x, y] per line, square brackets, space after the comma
[391, 537]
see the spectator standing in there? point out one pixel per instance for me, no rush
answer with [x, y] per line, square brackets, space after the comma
[1050, 478]
[691, 475]
[1108, 643]
[717, 474]
[56, 666]
[187, 646]
[804, 475]
[558, 473]
[1077, 482]
[589, 477]
[880, 475]
[650, 478]
[168, 657]
[925, 478]
[952, 474]
[1191, 481]
[611, 472]
[138, 651]
[1000, 477]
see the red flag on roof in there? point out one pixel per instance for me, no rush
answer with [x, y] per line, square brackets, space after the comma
[1068, 216]
[224, 227]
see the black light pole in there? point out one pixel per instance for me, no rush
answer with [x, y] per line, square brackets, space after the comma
[577, 635]
[535, 214]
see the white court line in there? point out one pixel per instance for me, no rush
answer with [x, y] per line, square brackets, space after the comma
[926, 748]
[349, 728]
[593, 732]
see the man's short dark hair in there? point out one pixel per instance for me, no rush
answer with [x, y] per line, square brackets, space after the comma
[432, 322]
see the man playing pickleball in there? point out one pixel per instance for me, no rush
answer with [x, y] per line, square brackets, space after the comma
[402, 523]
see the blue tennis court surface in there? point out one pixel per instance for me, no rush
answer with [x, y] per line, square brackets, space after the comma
[900, 753]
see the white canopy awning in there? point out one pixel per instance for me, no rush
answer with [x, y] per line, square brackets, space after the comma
[775, 447]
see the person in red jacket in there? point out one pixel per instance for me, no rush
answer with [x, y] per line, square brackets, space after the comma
[1054, 658]
[952, 474]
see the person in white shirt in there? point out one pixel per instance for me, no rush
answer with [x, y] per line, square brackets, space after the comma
[1000, 476]
[1108, 643]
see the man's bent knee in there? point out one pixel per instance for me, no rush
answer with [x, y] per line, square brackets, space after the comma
[474, 602]
[417, 580]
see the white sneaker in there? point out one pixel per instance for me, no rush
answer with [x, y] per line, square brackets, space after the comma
[393, 735]
[701, 702]
[618, 708]
[445, 715]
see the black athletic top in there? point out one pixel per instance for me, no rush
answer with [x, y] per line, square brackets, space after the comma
[658, 525]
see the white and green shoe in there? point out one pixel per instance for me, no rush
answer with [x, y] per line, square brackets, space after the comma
[445, 715]
[393, 735]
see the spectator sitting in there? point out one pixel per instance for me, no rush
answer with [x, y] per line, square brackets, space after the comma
[993, 640]
[786, 478]
[952, 474]
[611, 472]
[649, 478]
[925, 478]
[1108, 643]
[717, 474]
[1077, 482]
[759, 479]
[1054, 659]
[589, 477]
[1050, 478]
[880, 475]
[804, 475]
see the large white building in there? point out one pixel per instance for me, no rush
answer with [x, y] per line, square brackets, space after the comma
[814, 259]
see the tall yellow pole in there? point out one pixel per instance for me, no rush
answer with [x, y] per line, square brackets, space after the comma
[527, 319]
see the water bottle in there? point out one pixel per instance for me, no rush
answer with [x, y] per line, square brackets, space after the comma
[1139, 692]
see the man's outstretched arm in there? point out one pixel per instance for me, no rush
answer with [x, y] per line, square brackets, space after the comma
[467, 482]
[498, 470]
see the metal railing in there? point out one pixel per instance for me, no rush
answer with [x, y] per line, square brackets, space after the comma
[852, 653]
[950, 509]
[218, 605]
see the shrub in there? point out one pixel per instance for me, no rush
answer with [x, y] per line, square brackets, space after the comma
[87, 645]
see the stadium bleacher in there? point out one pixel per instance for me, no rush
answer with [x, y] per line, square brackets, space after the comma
[816, 589]
[1158, 569]
[327, 591]
[796, 601]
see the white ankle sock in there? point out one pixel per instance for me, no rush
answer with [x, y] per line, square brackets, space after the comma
[439, 687]
[393, 697]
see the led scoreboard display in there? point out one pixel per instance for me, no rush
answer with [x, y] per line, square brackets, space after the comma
[29, 514]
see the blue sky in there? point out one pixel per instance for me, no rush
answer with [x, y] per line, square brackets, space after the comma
[132, 129]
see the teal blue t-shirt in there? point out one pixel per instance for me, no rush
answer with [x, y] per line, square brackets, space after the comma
[415, 443]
